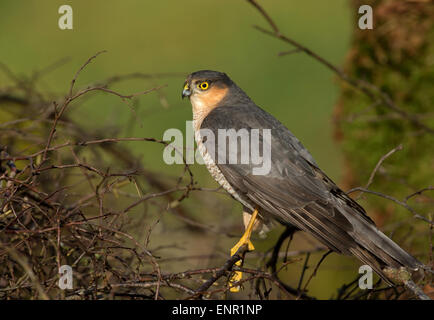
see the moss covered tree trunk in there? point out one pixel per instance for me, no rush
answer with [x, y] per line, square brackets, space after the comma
[397, 56]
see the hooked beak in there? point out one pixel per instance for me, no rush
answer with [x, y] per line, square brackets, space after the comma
[186, 92]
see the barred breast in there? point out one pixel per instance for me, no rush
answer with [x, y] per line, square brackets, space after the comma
[215, 171]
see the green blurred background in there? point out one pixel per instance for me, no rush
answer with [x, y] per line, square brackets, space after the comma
[157, 37]
[174, 36]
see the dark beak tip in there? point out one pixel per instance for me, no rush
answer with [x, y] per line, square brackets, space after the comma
[185, 93]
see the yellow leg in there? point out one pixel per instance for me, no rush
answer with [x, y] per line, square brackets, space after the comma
[245, 239]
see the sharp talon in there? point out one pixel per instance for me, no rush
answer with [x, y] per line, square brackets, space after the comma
[237, 276]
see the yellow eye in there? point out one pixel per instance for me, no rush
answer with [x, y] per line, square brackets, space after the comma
[203, 85]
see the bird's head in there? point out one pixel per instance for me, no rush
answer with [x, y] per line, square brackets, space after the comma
[205, 83]
[206, 88]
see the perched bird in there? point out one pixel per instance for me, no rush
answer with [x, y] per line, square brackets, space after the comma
[294, 191]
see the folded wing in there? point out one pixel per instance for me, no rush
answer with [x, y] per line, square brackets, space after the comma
[295, 191]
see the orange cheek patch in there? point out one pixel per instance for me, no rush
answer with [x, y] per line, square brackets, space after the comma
[204, 102]
[213, 96]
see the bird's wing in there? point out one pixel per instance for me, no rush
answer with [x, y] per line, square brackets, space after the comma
[296, 191]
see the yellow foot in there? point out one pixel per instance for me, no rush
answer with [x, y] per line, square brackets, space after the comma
[245, 240]
[241, 243]
[238, 275]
